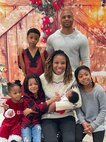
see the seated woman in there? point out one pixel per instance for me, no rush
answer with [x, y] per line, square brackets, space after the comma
[56, 80]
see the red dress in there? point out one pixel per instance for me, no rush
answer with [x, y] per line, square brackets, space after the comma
[33, 65]
[12, 126]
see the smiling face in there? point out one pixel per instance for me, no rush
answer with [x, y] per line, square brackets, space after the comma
[84, 77]
[33, 86]
[33, 39]
[15, 93]
[66, 18]
[59, 64]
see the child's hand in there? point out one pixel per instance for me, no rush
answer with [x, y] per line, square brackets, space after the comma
[5, 106]
[52, 107]
[27, 111]
[87, 128]
[42, 49]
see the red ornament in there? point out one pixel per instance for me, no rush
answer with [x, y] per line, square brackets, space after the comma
[43, 27]
[48, 31]
[57, 4]
[46, 20]
[44, 40]
[6, 70]
[37, 2]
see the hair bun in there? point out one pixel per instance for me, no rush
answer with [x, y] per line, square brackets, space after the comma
[18, 82]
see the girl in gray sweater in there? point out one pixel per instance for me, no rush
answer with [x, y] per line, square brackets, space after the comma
[92, 113]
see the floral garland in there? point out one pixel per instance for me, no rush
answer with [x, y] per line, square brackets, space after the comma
[47, 8]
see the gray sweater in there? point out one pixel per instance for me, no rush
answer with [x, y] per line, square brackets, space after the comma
[75, 45]
[93, 108]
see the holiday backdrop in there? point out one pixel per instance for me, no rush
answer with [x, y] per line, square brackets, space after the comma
[17, 16]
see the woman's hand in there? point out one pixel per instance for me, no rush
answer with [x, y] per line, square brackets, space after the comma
[52, 107]
[55, 98]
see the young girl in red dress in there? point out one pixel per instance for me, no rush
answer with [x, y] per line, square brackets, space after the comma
[10, 129]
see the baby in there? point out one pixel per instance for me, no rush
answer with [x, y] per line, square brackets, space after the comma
[71, 95]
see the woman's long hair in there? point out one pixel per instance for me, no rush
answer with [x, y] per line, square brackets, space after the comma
[49, 67]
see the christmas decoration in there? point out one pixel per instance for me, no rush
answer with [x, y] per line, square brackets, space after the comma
[47, 8]
[3, 81]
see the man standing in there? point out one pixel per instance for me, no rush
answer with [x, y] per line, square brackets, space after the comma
[70, 40]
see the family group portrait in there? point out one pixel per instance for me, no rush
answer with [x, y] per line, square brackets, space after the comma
[52, 71]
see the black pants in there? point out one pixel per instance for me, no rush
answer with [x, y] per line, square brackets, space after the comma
[66, 126]
[97, 136]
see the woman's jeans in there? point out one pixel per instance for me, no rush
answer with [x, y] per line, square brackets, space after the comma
[66, 126]
[32, 134]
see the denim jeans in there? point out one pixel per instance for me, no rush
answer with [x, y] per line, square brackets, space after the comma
[32, 134]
